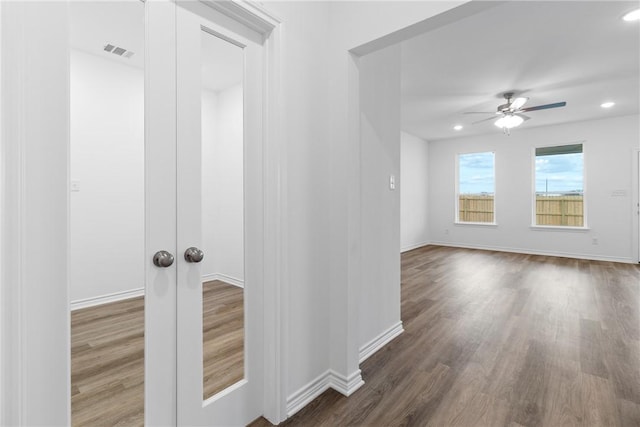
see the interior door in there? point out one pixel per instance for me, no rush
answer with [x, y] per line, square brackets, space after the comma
[219, 211]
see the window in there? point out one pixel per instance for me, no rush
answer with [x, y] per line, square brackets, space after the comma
[476, 188]
[559, 181]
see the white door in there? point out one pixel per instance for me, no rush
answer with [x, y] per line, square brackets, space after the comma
[219, 215]
[174, 377]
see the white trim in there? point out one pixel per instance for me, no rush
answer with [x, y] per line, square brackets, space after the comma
[558, 228]
[346, 385]
[34, 315]
[249, 13]
[276, 223]
[307, 393]
[414, 246]
[380, 341]
[328, 379]
[106, 299]
[226, 391]
[636, 204]
[11, 213]
[591, 257]
[223, 278]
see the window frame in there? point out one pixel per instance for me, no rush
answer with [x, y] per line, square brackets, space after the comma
[534, 225]
[457, 191]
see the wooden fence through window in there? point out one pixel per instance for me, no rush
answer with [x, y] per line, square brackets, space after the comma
[475, 208]
[565, 210]
[560, 210]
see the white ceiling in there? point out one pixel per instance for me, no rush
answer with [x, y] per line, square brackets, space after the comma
[93, 24]
[121, 23]
[580, 52]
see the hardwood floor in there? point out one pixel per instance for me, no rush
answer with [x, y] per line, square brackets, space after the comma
[500, 339]
[107, 355]
[107, 364]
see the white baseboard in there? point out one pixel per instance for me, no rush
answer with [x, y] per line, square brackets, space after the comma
[104, 299]
[307, 393]
[325, 381]
[536, 252]
[223, 278]
[380, 341]
[413, 246]
[346, 385]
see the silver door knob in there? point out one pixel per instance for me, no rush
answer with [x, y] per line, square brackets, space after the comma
[163, 259]
[193, 254]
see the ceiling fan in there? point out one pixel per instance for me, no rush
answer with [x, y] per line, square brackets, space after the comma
[511, 112]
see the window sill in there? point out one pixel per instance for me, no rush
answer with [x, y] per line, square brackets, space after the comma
[559, 228]
[477, 224]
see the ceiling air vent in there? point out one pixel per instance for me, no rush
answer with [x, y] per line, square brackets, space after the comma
[116, 50]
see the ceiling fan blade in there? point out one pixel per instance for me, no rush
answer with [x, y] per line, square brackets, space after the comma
[517, 103]
[525, 117]
[484, 120]
[479, 112]
[545, 107]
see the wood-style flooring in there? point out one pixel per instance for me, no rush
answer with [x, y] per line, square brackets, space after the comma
[500, 339]
[223, 336]
[107, 355]
[107, 364]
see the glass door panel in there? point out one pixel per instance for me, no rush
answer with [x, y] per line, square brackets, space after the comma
[107, 212]
[222, 213]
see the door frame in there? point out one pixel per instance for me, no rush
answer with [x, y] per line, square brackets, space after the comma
[34, 196]
[636, 204]
[34, 200]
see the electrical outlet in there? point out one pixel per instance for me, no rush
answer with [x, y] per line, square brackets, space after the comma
[446, 231]
[594, 241]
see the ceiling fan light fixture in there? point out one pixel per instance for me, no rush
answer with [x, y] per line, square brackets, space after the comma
[634, 15]
[509, 121]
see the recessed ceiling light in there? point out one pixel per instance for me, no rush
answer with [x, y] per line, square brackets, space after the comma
[634, 15]
[607, 104]
[457, 127]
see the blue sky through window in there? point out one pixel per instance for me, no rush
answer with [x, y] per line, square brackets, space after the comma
[561, 173]
[476, 174]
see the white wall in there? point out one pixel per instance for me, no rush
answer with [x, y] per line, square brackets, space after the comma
[321, 284]
[610, 166]
[107, 161]
[380, 228]
[414, 192]
[352, 24]
[222, 185]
